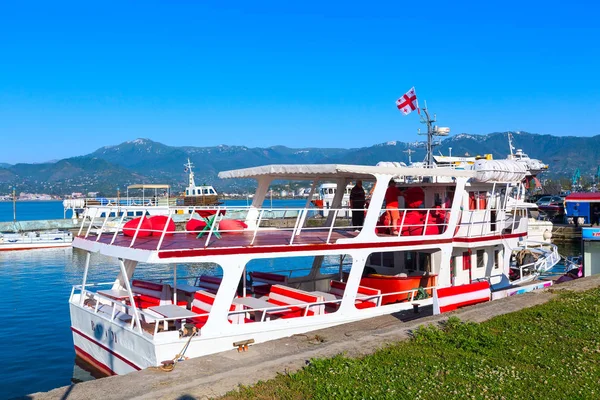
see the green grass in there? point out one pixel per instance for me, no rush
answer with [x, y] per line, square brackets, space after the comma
[550, 351]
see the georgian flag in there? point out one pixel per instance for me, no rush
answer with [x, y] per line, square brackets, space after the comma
[408, 102]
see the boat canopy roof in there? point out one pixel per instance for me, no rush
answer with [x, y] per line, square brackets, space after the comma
[336, 171]
[148, 186]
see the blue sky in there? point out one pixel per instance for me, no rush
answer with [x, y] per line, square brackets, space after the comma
[75, 76]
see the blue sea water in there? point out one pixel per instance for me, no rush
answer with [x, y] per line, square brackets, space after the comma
[37, 345]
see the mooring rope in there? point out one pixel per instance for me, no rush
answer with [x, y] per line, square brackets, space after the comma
[169, 365]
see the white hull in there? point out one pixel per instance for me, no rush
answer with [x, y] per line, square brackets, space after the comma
[35, 240]
[539, 231]
[115, 348]
[32, 246]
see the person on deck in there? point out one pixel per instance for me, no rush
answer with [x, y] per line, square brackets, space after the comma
[596, 215]
[357, 204]
[576, 215]
[439, 217]
[391, 204]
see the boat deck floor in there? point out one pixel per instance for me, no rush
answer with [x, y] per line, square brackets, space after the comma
[182, 241]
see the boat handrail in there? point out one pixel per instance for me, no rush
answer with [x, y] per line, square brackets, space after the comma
[111, 302]
[431, 218]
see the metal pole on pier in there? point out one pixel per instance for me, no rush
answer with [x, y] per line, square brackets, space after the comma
[14, 204]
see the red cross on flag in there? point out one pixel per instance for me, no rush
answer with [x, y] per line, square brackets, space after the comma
[408, 102]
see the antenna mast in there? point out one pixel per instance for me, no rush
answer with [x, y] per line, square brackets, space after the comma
[432, 130]
[188, 168]
[510, 146]
[409, 152]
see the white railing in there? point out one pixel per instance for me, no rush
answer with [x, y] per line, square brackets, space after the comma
[118, 309]
[294, 224]
[120, 202]
[548, 259]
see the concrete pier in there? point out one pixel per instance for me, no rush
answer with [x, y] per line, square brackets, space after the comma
[211, 376]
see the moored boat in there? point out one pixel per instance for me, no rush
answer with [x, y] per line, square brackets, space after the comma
[455, 230]
[35, 240]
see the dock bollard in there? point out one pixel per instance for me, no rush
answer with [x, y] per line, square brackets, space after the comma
[416, 308]
[243, 345]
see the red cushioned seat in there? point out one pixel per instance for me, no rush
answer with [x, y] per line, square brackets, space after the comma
[208, 213]
[203, 302]
[195, 225]
[158, 225]
[131, 226]
[261, 290]
[364, 304]
[232, 226]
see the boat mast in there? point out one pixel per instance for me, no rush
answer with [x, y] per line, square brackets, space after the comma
[409, 152]
[14, 196]
[432, 130]
[510, 146]
[188, 168]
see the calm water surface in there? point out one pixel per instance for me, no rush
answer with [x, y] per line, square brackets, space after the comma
[37, 346]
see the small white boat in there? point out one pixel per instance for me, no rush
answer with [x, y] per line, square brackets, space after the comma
[35, 240]
[326, 194]
[530, 260]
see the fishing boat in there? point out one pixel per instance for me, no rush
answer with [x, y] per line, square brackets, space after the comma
[454, 232]
[154, 199]
[203, 195]
[35, 240]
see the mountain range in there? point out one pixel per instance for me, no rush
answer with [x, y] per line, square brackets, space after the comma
[147, 161]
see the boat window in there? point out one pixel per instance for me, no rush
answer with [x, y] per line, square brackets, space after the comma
[466, 260]
[383, 259]
[424, 262]
[497, 260]
[410, 260]
[480, 258]
[187, 192]
[477, 200]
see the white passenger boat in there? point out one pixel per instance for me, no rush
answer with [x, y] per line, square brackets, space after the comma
[130, 324]
[35, 240]
[326, 194]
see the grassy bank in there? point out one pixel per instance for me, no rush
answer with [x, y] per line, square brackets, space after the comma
[550, 351]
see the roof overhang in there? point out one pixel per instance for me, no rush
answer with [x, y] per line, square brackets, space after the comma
[148, 186]
[337, 171]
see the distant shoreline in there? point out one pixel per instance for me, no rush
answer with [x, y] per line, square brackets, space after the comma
[28, 200]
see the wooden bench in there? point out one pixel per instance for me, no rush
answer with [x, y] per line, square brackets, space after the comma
[296, 300]
[366, 297]
[202, 304]
[209, 283]
[267, 279]
[150, 294]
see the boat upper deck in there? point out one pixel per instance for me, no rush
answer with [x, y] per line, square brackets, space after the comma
[179, 244]
[284, 231]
